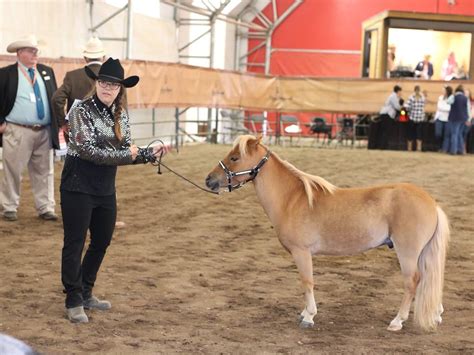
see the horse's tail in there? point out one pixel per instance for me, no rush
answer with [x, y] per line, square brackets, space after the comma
[431, 262]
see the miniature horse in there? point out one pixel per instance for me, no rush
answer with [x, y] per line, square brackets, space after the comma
[311, 216]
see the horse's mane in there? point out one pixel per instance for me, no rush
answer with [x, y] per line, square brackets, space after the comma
[242, 143]
[309, 181]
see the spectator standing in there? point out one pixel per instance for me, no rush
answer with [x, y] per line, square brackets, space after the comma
[388, 113]
[416, 112]
[77, 84]
[29, 129]
[449, 68]
[458, 116]
[468, 125]
[441, 116]
[424, 69]
[391, 56]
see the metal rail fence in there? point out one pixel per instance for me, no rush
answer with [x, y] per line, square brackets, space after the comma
[227, 125]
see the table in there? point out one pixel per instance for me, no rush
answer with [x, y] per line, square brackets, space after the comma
[470, 140]
[397, 139]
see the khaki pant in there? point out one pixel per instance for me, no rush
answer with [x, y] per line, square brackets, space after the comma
[23, 147]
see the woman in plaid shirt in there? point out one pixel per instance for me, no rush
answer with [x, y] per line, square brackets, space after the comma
[416, 112]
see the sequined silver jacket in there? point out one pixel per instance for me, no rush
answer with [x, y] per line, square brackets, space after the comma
[92, 137]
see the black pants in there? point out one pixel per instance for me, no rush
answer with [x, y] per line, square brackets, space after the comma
[82, 212]
[415, 130]
[386, 126]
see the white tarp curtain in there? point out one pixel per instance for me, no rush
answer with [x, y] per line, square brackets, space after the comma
[63, 28]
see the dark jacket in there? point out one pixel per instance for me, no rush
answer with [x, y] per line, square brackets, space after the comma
[76, 85]
[9, 87]
[419, 67]
[458, 112]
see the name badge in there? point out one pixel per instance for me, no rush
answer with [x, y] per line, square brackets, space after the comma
[32, 97]
[46, 77]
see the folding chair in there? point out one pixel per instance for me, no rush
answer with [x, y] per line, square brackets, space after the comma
[346, 130]
[290, 127]
[361, 128]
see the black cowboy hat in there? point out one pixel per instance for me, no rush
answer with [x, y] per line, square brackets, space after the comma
[112, 71]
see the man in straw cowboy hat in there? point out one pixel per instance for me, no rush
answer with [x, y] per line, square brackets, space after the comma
[29, 129]
[77, 84]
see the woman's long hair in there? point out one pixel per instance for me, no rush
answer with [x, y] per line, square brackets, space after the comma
[448, 91]
[118, 112]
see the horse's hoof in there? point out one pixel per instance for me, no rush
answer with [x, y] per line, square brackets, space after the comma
[306, 325]
[395, 327]
[300, 318]
[439, 320]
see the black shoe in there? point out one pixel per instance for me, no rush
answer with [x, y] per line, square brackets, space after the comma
[48, 216]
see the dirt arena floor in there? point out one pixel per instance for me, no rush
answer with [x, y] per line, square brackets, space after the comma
[198, 273]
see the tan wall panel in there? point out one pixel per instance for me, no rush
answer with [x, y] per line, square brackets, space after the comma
[258, 92]
[178, 85]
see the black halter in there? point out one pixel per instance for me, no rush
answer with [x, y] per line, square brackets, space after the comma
[251, 172]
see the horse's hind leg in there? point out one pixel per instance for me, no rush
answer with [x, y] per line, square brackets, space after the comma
[411, 278]
[304, 263]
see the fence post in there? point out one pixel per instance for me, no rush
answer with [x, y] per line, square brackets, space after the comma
[176, 115]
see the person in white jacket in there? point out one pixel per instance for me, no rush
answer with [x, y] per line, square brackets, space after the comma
[441, 116]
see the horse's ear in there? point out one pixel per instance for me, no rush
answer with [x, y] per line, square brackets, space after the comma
[253, 143]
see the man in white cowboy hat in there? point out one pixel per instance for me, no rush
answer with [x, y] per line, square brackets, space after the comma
[29, 129]
[77, 84]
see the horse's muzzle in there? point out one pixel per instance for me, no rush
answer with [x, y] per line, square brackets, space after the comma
[212, 183]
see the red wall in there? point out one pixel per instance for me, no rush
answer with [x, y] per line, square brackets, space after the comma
[334, 25]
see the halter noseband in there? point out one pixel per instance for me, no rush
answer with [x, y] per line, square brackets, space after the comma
[251, 172]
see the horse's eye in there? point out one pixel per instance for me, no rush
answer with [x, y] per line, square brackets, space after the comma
[234, 158]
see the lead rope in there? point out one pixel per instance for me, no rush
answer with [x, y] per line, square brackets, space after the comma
[156, 161]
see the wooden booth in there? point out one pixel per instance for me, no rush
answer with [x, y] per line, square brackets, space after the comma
[394, 42]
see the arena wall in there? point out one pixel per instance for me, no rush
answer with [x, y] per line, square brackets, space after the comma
[326, 35]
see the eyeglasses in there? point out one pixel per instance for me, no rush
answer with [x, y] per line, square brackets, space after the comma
[33, 51]
[108, 85]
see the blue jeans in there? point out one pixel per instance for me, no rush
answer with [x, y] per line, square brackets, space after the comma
[453, 141]
[465, 131]
[440, 128]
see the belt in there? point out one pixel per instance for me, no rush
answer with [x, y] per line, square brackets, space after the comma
[35, 127]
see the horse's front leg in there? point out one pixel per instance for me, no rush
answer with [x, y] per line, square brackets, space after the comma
[304, 263]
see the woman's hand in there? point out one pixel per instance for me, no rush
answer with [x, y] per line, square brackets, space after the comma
[159, 149]
[134, 151]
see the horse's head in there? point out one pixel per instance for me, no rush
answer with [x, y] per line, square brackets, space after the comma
[240, 165]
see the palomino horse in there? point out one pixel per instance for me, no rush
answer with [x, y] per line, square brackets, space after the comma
[312, 216]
